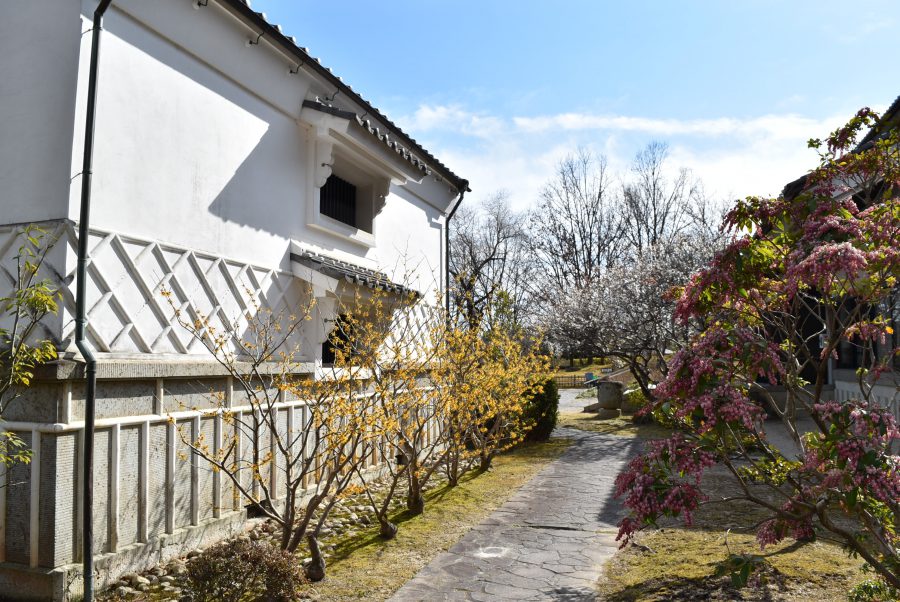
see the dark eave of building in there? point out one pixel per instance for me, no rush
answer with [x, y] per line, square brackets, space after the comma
[392, 135]
[891, 116]
[878, 130]
[331, 110]
[355, 274]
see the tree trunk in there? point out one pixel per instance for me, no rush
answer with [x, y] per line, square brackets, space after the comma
[287, 526]
[415, 502]
[315, 570]
[388, 529]
[453, 471]
[486, 460]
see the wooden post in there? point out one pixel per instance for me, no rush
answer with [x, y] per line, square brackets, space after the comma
[170, 477]
[217, 474]
[238, 457]
[195, 474]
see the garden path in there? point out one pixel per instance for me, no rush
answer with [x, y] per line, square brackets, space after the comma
[569, 401]
[547, 542]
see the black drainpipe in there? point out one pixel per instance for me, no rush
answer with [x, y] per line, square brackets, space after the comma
[462, 194]
[87, 351]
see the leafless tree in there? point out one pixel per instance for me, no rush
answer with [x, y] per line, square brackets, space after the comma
[575, 229]
[656, 206]
[486, 251]
[627, 312]
[609, 255]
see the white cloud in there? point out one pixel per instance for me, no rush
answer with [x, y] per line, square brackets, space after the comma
[431, 118]
[734, 157]
[866, 27]
[775, 126]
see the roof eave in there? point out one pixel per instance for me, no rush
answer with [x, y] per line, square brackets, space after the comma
[272, 34]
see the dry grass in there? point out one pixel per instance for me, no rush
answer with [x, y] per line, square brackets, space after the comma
[368, 568]
[679, 564]
[621, 426]
[581, 368]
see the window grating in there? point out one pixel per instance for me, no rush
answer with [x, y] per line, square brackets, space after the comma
[337, 200]
[338, 339]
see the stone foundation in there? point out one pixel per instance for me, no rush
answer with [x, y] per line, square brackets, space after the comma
[153, 499]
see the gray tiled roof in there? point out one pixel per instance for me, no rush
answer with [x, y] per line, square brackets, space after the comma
[383, 137]
[392, 136]
[792, 189]
[889, 116]
[335, 268]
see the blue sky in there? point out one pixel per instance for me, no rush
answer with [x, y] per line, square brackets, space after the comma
[502, 90]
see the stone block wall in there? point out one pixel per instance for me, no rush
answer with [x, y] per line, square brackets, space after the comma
[153, 499]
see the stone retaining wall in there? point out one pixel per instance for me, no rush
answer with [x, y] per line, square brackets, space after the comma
[153, 499]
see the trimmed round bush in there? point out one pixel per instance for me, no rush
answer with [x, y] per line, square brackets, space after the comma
[239, 570]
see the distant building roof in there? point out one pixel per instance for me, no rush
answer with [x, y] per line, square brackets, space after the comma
[891, 115]
[792, 189]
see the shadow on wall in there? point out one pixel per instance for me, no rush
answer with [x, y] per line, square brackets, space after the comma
[209, 147]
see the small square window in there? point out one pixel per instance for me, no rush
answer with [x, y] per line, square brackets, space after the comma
[337, 200]
[338, 339]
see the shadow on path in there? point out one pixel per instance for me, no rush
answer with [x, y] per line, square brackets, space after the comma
[549, 541]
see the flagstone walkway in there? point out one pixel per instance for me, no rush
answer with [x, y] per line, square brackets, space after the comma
[548, 542]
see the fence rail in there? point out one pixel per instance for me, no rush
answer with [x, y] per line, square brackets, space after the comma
[569, 381]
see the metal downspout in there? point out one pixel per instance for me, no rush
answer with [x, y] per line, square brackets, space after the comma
[462, 194]
[84, 346]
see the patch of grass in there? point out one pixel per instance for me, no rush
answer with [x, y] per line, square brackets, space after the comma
[621, 426]
[680, 564]
[581, 367]
[677, 563]
[366, 567]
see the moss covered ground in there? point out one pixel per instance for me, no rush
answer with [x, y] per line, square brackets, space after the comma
[621, 426]
[679, 564]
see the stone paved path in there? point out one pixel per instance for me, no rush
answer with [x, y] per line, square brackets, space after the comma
[547, 542]
[569, 401]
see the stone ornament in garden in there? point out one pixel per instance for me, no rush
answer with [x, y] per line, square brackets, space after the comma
[609, 400]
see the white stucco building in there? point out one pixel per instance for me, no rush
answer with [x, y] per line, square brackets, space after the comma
[225, 158]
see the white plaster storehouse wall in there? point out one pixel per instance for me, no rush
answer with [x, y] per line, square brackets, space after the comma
[193, 221]
[38, 46]
[199, 146]
[186, 155]
[409, 242]
[198, 152]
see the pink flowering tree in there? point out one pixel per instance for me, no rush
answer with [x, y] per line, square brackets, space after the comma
[805, 277]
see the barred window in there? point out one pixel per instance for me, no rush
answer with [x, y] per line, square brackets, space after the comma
[337, 200]
[338, 339]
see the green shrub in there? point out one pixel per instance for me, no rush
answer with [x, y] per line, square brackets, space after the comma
[633, 401]
[873, 590]
[542, 411]
[242, 570]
